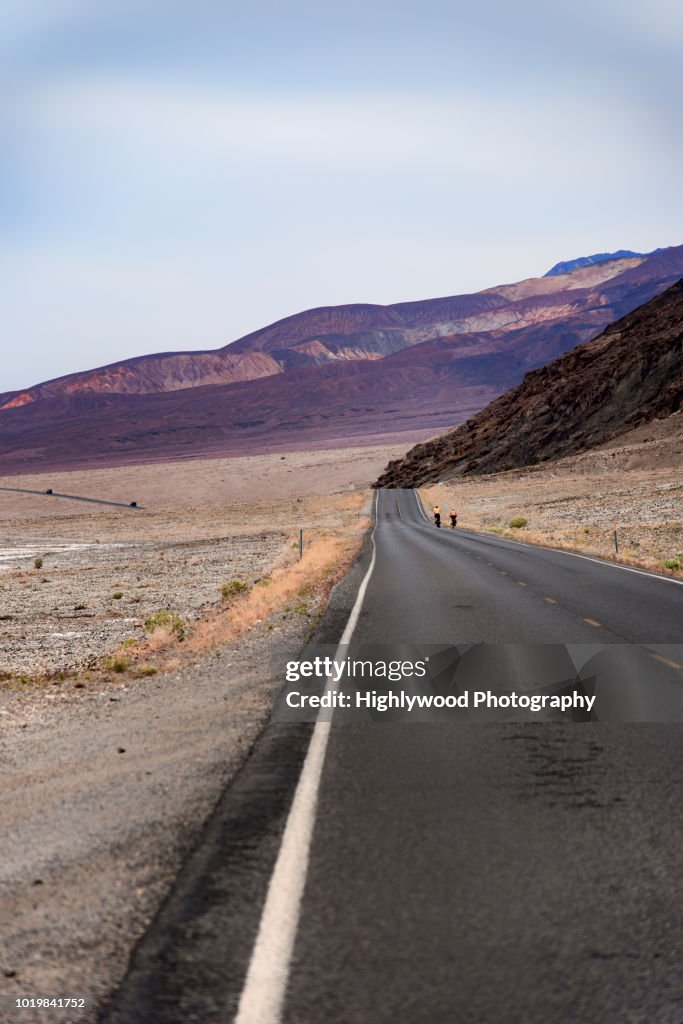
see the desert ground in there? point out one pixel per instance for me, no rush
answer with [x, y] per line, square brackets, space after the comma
[79, 580]
[117, 737]
[633, 485]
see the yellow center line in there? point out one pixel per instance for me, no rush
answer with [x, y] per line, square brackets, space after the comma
[502, 572]
[550, 600]
[520, 584]
[665, 661]
[592, 622]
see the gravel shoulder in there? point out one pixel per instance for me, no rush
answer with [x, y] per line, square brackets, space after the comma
[103, 797]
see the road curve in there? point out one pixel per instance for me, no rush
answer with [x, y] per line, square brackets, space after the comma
[488, 873]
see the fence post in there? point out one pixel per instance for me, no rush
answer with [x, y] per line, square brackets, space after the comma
[301, 544]
[616, 542]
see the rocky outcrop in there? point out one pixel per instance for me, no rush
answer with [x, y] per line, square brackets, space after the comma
[630, 374]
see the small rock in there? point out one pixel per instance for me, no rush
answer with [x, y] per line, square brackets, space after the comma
[122, 750]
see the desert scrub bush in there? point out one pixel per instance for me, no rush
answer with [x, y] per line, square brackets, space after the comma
[671, 563]
[165, 619]
[233, 588]
[517, 522]
[146, 670]
[38, 563]
[116, 664]
[117, 595]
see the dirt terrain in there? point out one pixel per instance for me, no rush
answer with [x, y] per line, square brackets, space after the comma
[78, 580]
[108, 776]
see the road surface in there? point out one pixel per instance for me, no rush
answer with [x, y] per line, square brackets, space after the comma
[73, 497]
[422, 872]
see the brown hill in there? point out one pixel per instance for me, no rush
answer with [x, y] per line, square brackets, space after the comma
[341, 333]
[631, 374]
[325, 375]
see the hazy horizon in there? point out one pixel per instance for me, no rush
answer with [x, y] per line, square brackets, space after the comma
[176, 177]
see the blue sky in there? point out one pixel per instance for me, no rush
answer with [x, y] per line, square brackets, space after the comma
[174, 175]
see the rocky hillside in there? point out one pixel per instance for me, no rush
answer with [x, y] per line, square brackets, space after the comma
[630, 374]
[325, 376]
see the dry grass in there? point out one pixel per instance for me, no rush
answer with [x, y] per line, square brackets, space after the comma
[294, 587]
[204, 525]
[303, 584]
[159, 640]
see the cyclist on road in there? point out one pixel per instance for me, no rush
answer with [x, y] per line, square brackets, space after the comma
[437, 515]
[454, 519]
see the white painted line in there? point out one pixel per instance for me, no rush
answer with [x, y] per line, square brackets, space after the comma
[266, 981]
[420, 506]
[666, 661]
[572, 554]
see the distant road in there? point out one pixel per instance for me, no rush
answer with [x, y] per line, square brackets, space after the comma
[434, 873]
[439, 586]
[73, 497]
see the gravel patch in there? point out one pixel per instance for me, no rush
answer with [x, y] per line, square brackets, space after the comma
[87, 598]
[104, 793]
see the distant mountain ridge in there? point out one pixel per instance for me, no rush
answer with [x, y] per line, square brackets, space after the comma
[331, 376]
[567, 266]
[630, 374]
[334, 334]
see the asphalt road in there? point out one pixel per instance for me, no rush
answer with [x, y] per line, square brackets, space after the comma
[72, 497]
[431, 872]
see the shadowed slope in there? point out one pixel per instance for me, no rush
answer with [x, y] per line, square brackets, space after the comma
[631, 374]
